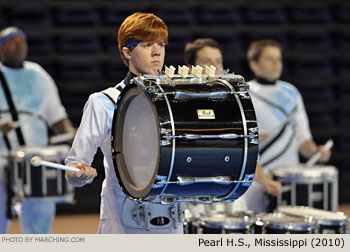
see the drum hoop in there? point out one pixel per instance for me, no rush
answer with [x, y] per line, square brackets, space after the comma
[216, 225]
[50, 152]
[237, 222]
[245, 152]
[329, 171]
[306, 180]
[302, 226]
[237, 225]
[297, 226]
[68, 197]
[118, 159]
[173, 141]
[226, 226]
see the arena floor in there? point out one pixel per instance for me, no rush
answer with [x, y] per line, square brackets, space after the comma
[88, 223]
[68, 224]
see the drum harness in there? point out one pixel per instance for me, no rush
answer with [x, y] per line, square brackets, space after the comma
[19, 135]
[13, 112]
[142, 211]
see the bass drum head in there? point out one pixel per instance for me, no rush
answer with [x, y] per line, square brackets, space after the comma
[136, 142]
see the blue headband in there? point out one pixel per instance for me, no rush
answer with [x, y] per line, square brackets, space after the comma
[11, 34]
[133, 43]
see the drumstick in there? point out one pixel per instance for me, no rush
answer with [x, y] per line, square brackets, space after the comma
[61, 138]
[318, 155]
[37, 161]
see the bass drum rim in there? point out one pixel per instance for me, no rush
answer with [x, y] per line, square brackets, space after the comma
[125, 181]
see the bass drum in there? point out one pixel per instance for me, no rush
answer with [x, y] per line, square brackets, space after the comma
[184, 142]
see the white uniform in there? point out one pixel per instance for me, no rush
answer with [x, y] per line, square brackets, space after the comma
[32, 90]
[273, 104]
[116, 209]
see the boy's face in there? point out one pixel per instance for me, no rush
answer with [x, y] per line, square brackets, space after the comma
[14, 51]
[269, 65]
[208, 56]
[146, 58]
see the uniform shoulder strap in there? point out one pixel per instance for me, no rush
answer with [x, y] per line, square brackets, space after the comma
[13, 112]
[112, 93]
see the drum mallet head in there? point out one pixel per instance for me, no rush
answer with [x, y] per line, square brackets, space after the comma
[35, 161]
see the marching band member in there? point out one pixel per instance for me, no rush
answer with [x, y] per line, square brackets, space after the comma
[277, 102]
[26, 86]
[207, 52]
[141, 39]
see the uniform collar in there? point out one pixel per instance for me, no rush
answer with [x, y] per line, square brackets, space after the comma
[263, 81]
[128, 77]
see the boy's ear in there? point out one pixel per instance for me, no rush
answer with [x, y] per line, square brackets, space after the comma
[252, 65]
[126, 53]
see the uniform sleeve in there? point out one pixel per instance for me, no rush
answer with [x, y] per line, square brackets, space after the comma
[53, 110]
[91, 133]
[303, 130]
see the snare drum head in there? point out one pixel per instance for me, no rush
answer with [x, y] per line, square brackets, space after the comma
[301, 173]
[136, 129]
[285, 221]
[322, 216]
[306, 171]
[49, 153]
[281, 217]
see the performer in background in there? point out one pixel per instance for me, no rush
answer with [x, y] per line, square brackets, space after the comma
[141, 39]
[31, 89]
[282, 119]
[206, 52]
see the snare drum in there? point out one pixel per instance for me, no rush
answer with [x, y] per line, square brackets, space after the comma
[185, 139]
[225, 223]
[29, 181]
[327, 222]
[316, 186]
[280, 223]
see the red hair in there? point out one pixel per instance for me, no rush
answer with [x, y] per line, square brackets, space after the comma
[141, 26]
